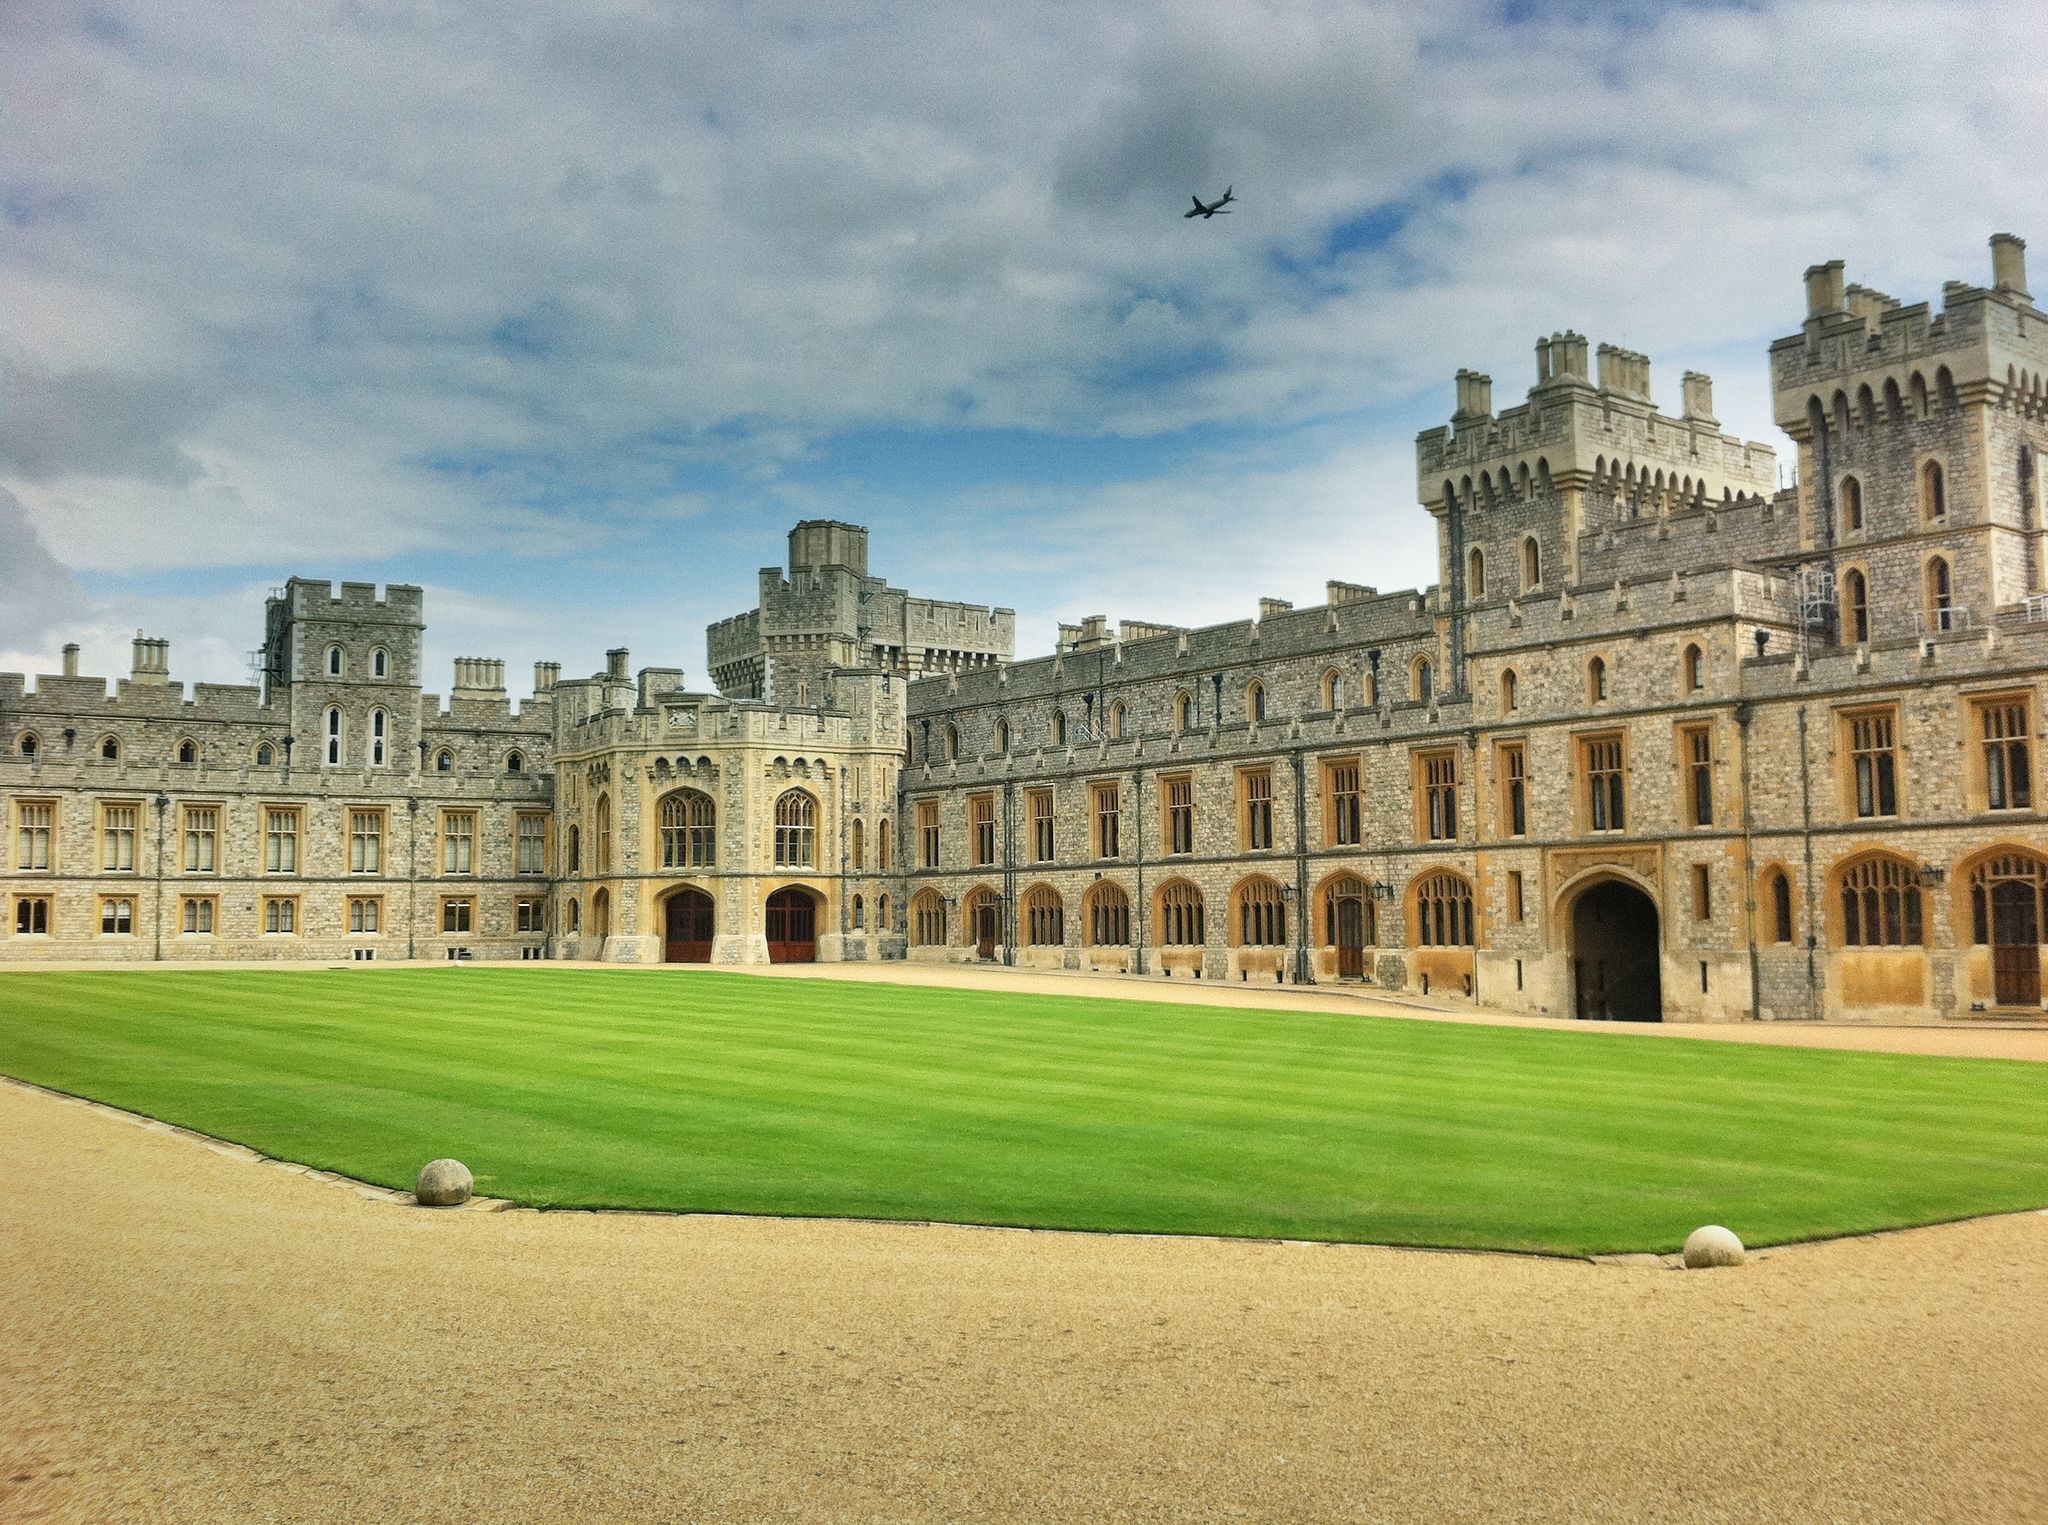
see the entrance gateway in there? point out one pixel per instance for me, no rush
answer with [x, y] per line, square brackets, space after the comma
[689, 928]
[792, 927]
[1616, 959]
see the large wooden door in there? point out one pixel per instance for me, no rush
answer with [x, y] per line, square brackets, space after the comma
[1351, 938]
[792, 927]
[985, 929]
[690, 926]
[2015, 943]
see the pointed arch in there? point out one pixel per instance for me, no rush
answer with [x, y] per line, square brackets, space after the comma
[796, 830]
[689, 836]
[1106, 915]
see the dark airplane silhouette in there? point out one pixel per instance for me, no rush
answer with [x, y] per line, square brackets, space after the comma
[1211, 208]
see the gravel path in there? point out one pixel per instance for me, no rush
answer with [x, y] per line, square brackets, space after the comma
[189, 1337]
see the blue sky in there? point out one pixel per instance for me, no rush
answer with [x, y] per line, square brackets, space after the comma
[569, 312]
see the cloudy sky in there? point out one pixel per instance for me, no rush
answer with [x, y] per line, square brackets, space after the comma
[568, 311]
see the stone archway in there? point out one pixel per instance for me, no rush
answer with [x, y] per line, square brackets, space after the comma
[1617, 968]
[792, 926]
[689, 920]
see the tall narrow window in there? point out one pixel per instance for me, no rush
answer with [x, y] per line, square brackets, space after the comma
[1514, 894]
[1108, 819]
[280, 841]
[1596, 681]
[1347, 816]
[1041, 826]
[333, 753]
[1781, 906]
[1514, 779]
[1692, 669]
[34, 827]
[1702, 893]
[601, 838]
[1933, 491]
[1059, 728]
[334, 661]
[1532, 565]
[1874, 762]
[1852, 504]
[885, 847]
[1422, 681]
[859, 846]
[1605, 802]
[1440, 796]
[1180, 814]
[1333, 690]
[1116, 721]
[366, 841]
[928, 833]
[531, 852]
[1941, 611]
[981, 827]
[380, 663]
[1696, 747]
[2008, 772]
[1258, 809]
[117, 838]
[1856, 606]
[202, 839]
[458, 842]
[796, 830]
[1475, 575]
[1255, 702]
[1510, 692]
[377, 738]
[1183, 710]
[1002, 738]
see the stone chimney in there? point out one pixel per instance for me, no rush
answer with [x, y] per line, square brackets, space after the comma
[1824, 289]
[617, 665]
[1475, 395]
[479, 677]
[71, 660]
[152, 660]
[1561, 357]
[2009, 264]
[1268, 607]
[1699, 398]
[1624, 372]
[545, 676]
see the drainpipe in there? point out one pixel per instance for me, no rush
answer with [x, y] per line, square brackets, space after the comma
[1806, 824]
[412, 873]
[1756, 1010]
[1138, 815]
[1301, 870]
[163, 804]
[1010, 873]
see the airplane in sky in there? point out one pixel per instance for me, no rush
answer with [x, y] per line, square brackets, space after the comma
[1210, 209]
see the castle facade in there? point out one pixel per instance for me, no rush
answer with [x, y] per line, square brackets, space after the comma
[1664, 740]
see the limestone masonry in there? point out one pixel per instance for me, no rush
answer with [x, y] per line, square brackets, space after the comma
[1663, 740]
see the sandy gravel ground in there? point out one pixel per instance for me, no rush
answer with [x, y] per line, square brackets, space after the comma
[189, 1337]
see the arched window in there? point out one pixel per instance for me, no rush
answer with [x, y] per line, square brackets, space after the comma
[1778, 904]
[1917, 390]
[689, 838]
[1475, 575]
[859, 913]
[333, 725]
[29, 744]
[1856, 606]
[1116, 721]
[1045, 918]
[444, 761]
[1692, 669]
[1532, 565]
[1510, 691]
[1261, 914]
[1443, 912]
[2006, 897]
[575, 916]
[1002, 738]
[885, 845]
[1059, 728]
[927, 920]
[981, 916]
[380, 663]
[601, 836]
[1941, 611]
[1881, 904]
[334, 661]
[188, 749]
[1180, 915]
[515, 762]
[1421, 680]
[575, 849]
[1364, 928]
[1255, 701]
[2027, 488]
[1933, 491]
[952, 743]
[377, 738]
[110, 748]
[1596, 681]
[1372, 688]
[265, 754]
[1852, 504]
[796, 830]
[860, 845]
[1183, 711]
[1894, 408]
[1866, 406]
[1333, 690]
[1109, 916]
[882, 922]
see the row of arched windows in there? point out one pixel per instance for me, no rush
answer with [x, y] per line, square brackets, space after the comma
[265, 754]
[1531, 569]
[1916, 402]
[337, 662]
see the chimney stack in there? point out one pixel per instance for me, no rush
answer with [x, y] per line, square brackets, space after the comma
[2009, 264]
[479, 676]
[615, 667]
[1624, 372]
[152, 660]
[1475, 395]
[1825, 291]
[545, 676]
[1699, 398]
[71, 660]
[1561, 357]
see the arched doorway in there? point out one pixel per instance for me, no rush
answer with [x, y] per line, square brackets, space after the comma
[1350, 928]
[689, 916]
[2006, 911]
[1616, 970]
[792, 927]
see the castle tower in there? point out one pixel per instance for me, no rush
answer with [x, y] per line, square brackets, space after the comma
[345, 666]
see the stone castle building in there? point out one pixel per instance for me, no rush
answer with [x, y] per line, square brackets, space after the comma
[1664, 739]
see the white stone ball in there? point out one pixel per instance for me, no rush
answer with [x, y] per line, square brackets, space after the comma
[1712, 1245]
[448, 1183]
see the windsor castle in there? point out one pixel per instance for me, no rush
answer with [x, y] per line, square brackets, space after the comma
[1664, 740]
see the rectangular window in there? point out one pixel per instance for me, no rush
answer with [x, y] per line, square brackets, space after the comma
[1702, 893]
[1438, 777]
[1107, 821]
[366, 841]
[117, 916]
[34, 828]
[1180, 814]
[1874, 762]
[31, 916]
[458, 842]
[280, 841]
[981, 821]
[1514, 790]
[456, 915]
[1041, 825]
[2008, 771]
[280, 915]
[202, 840]
[533, 844]
[1347, 813]
[531, 915]
[365, 913]
[1606, 808]
[117, 838]
[1696, 751]
[198, 913]
[928, 833]
[1257, 798]
[1514, 894]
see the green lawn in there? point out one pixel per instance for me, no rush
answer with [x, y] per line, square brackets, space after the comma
[725, 1093]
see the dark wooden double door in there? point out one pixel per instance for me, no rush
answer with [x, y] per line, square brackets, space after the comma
[792, 927]
[691, 919]
[2015, 943]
